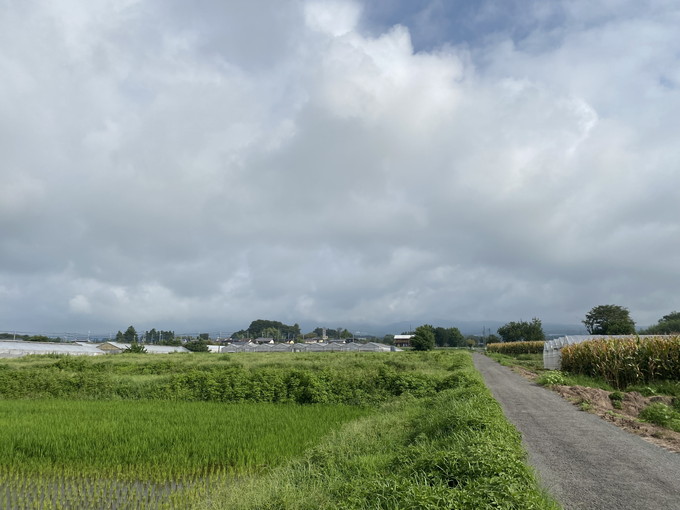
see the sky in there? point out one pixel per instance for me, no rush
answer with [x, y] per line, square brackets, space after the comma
[197, 166]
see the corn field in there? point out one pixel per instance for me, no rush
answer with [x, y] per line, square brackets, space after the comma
[513, 348]
[625, 362]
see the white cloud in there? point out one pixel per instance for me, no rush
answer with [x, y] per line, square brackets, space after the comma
[333, 17]
[281, 163]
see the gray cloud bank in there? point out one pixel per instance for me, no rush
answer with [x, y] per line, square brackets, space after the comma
[174, 166]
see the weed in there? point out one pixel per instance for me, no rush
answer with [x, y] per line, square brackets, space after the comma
[661, 414]
[552, 378]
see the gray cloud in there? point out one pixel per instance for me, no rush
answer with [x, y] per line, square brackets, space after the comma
[174, 167]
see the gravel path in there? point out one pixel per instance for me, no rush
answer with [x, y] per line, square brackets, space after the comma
[583, 461]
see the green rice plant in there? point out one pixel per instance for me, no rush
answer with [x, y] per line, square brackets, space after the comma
[147, 454]
[514, 348]
[625, 362]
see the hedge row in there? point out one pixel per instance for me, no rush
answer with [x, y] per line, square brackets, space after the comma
[625, 362]
[516, 348]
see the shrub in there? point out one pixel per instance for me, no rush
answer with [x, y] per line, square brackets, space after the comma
[663, 415]
[552, 378]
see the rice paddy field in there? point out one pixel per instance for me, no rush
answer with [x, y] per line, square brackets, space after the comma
[257, 430]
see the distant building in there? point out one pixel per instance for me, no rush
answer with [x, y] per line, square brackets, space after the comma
[402, 340]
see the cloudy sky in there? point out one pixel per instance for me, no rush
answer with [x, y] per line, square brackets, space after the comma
[198, 165]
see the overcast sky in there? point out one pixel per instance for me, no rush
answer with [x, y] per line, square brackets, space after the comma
[198, 165]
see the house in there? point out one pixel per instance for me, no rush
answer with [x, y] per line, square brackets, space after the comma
[402, 340]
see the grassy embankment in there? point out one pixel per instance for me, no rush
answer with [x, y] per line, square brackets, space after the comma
[341, 430]
[650, 366]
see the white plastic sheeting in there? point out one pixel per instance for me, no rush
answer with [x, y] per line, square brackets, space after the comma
[17, 348]
[315, 347]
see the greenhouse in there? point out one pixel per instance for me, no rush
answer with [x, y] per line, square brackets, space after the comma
[313, 347]
[17, 348]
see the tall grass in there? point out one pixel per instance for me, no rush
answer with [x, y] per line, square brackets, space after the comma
[349, 378]
[625, 362]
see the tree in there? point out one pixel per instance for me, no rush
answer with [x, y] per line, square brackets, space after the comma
[522, 331]
[197, 346]
[609, 320]
[423, 339]
[135, 348]
[667, 325]
[451, 337]
[130, 336]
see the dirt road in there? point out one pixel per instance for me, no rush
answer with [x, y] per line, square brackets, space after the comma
[583, 461]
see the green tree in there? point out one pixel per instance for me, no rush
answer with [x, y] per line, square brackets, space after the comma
[423, 339]
[522, 331]
[609, 320]
[197, 346]
[130, 336]
[448, 337]
[135, 348]
[667, 325]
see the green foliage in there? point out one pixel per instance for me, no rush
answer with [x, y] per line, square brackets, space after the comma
[609, 320]
[135, 348]
[667, 325]
[514, 348]
[424, 338]
[551, 378]
[663, 415]
[522, 331]
[160, 337]
[197, 346]
[448, 337]
[269, 329]
[130, 336]
[625, 362]
[350, 378]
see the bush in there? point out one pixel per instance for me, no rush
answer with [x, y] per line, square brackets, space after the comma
[663, 415]
[552, 378]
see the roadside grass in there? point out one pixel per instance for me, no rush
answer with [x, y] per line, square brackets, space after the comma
[533, 362]
[663, 415]
[656, 413]
[671, 388]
